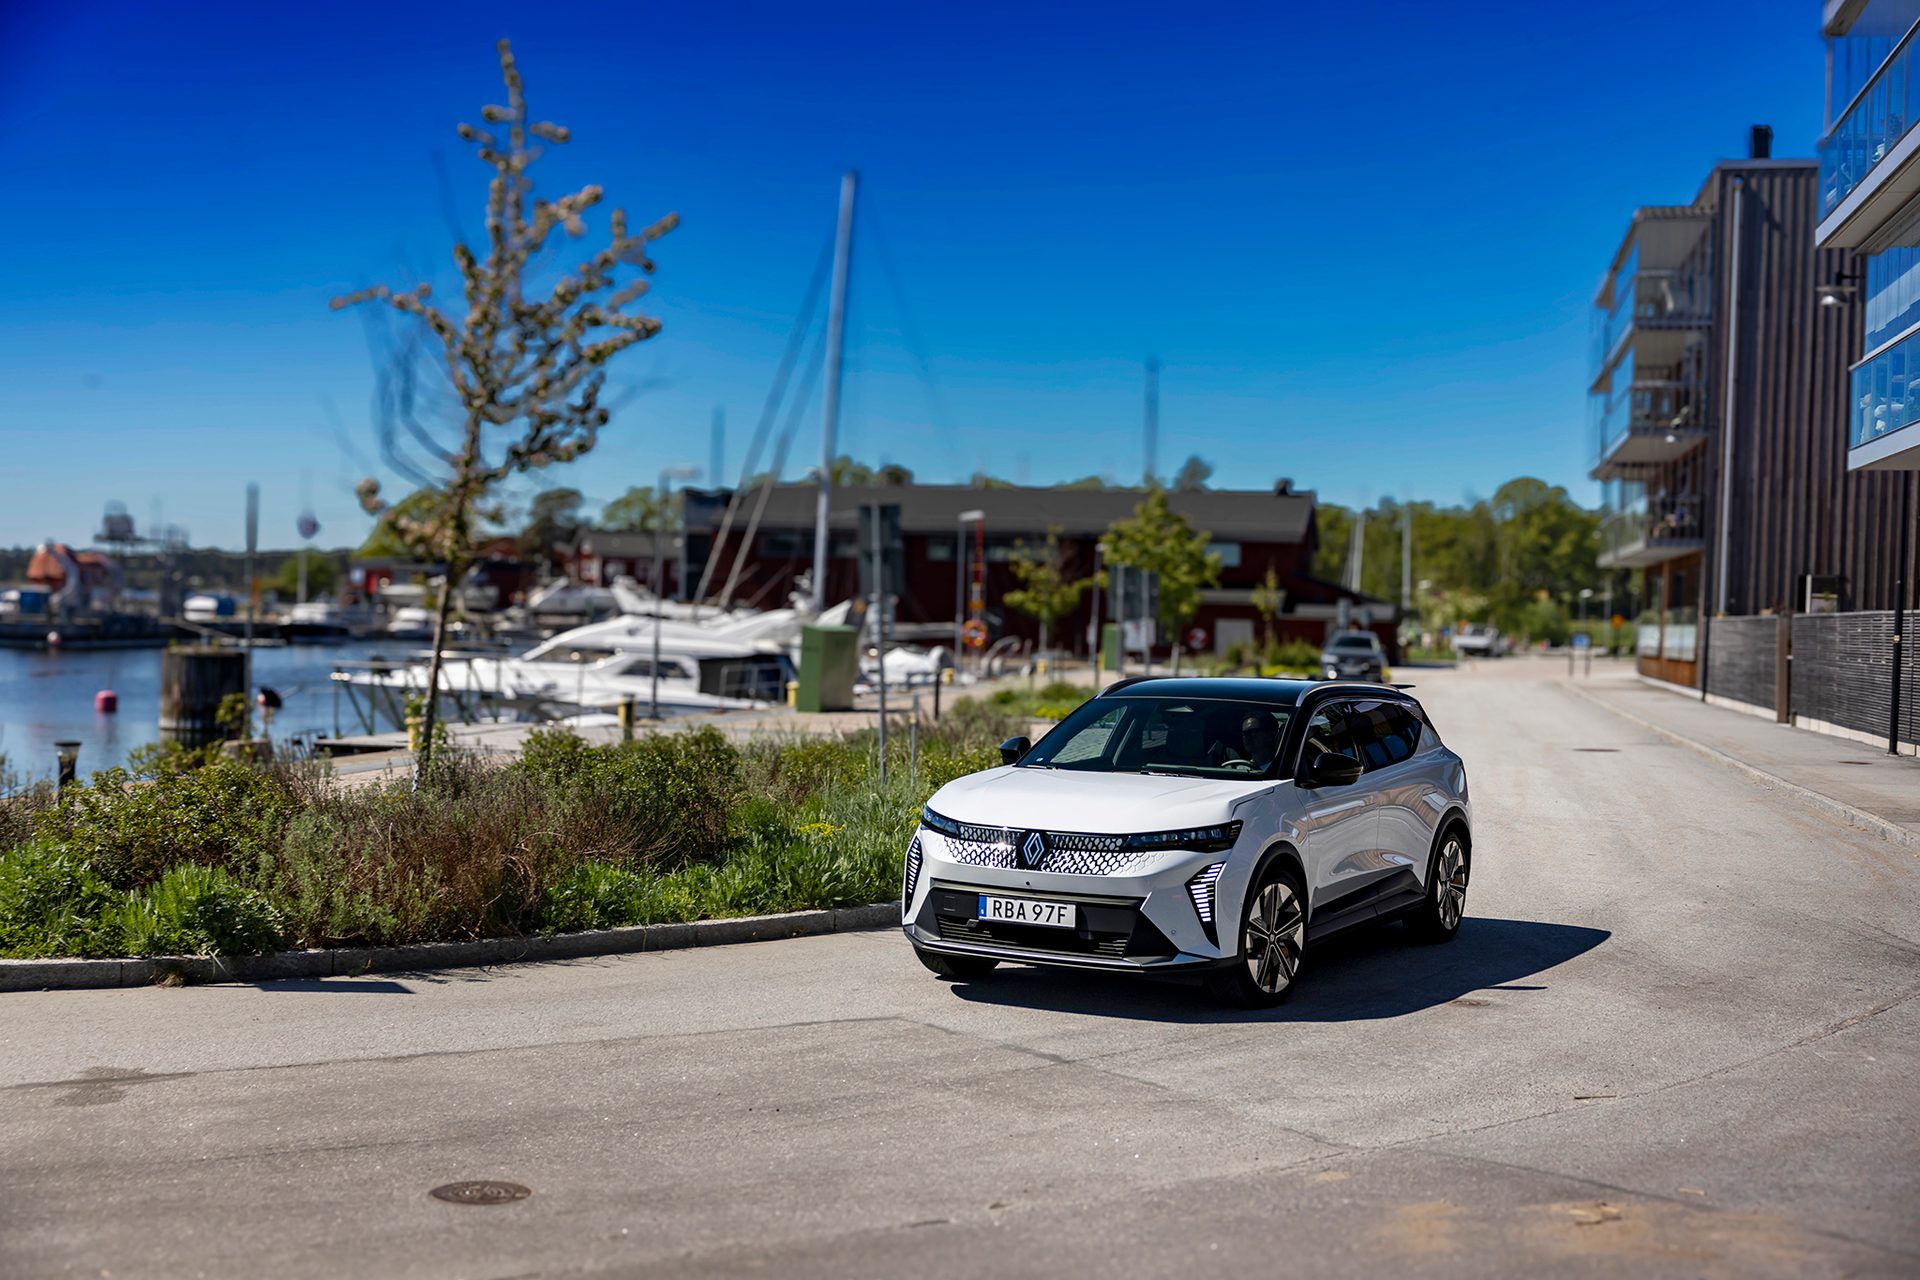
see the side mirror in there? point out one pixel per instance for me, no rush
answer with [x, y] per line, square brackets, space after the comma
[1013, 748]
[1330, 769]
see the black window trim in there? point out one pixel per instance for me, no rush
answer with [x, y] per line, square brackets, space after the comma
[1312, 700]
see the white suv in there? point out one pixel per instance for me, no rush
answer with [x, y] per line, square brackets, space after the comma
[1201, 827]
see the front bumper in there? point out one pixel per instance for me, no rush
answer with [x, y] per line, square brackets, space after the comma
[1143, 921]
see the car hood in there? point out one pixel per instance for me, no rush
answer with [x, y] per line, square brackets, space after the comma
[1069, 800]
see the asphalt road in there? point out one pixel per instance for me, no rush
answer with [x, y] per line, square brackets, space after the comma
[1676, 1036]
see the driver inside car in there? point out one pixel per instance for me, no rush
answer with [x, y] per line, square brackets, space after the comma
[1259, 740]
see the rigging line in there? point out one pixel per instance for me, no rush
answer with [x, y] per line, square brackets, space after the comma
[802, 322]
[785, 440]
[916, 346]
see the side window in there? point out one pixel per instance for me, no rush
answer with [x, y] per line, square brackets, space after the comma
[1326, 732]
[1385, 733]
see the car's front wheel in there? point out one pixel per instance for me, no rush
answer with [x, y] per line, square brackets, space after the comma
[956, 968]
[1273, 936]
[1438, 918]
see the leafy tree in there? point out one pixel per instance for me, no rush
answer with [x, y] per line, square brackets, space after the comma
[522, 370]
[1093, 484]
[385, 543]
[640, 510]
[1269, 598]
[1193, 475]
[552, 518]
[1045, 592]
[981, 480]
[1161, 540]
[321, 574]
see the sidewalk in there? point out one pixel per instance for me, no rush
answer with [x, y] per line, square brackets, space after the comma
[1861, 785]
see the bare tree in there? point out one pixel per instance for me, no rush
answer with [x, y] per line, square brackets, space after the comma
[523, 371]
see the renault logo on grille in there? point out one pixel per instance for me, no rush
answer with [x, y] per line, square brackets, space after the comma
[1033, 849]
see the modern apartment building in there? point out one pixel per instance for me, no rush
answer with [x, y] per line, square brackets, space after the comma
[1717, 378]
[1870, 203]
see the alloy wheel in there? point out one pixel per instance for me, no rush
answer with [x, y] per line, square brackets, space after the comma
[1450, 883]
[1276, 929]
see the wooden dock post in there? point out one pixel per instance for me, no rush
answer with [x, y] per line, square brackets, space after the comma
[193, 682]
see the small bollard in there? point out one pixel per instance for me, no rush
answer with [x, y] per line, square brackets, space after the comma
[626, 719]
[67, 754]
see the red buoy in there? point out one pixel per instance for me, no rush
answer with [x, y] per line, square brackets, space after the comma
[106, 701]
[53, 639]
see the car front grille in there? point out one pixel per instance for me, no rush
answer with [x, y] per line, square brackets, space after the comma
[1074, 853]
[1016, 937]
[1105, 928]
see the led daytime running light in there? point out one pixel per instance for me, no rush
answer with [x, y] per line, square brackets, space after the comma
[1214, 839]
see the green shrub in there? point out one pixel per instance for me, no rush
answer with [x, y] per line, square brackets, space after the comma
[52, 904]
[199, 911]
[593, 895]
[223, 814]
[1294, 655]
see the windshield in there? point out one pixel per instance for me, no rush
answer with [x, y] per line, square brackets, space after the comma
[1366, 642]
[1209, 737]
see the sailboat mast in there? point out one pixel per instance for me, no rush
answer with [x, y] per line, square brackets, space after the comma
[836, 333]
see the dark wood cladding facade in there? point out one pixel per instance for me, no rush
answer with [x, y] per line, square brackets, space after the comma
[1792, 507]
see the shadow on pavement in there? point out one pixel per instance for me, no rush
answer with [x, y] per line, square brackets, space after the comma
[1367, 974]
[376, 986]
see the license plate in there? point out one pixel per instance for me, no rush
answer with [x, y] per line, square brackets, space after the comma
[1054, 915]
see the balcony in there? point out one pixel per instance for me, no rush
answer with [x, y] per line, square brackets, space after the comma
[1883, 433]
[1650, 532]
[1646, 416]
[1870, 157]
[1656, 310]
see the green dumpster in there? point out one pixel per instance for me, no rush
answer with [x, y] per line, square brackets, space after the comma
[1110, 647]
[829, 661]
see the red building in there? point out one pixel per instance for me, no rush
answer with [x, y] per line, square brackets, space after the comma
[1251, 531]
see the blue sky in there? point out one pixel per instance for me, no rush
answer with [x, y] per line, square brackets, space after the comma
[1362, 238]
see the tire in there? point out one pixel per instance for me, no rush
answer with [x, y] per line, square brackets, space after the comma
[1273, 935]
[1437, 919]
[957, 968]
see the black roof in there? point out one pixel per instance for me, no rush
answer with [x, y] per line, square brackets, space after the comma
[1273, 691]
[1279, 693]
[1247, 515]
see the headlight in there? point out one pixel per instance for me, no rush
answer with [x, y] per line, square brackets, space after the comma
[934, 822]
[1201, 839]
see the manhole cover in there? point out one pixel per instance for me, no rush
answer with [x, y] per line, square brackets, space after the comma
[480, 1192]
[1600, 751]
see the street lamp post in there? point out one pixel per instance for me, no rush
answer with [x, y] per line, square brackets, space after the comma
[1093, 626]
[960, 585]
[667, 476]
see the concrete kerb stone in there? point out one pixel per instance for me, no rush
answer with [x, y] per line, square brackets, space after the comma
[45, 975]
[1852, 815]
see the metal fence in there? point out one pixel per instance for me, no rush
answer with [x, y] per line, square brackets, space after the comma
[1741, 659]
[1843, 673]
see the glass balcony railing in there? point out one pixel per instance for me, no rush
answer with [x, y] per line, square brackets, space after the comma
[1877, 118]
[1649, 298]
[1885, 397]
[1652, 401]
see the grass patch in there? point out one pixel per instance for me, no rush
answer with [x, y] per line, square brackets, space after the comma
[194, 854]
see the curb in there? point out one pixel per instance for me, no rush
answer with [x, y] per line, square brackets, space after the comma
[48, 975]
[1852, 815]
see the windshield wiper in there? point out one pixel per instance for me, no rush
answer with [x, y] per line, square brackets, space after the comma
[1167, 773]
[1038, 765]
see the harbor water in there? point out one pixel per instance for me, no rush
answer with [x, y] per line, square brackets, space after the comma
[46, 697]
